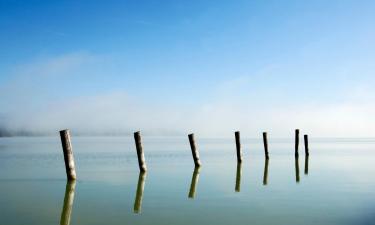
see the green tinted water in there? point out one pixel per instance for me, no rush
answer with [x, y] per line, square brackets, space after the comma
[334, 185]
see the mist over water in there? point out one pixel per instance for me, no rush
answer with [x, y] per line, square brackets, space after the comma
[115, 114]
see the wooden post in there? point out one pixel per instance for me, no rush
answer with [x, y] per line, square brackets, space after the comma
[238, 177]
[265, 142]
[306, 139]
[140, 154]
[265, 173]
[296, 143]
[139, 193]
[194, 182]
[68, 202]
[68, 155]
[194, 150]
[238, 146]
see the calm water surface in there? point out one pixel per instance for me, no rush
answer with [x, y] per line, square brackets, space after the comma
[335, 185]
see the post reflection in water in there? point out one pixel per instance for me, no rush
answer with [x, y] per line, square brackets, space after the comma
[238, 177]
[297, 169]
[194, 181]
[306, 164]
[68, 202]
[139, 193]
[265, 175]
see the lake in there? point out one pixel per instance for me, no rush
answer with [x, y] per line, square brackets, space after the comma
[334, 185]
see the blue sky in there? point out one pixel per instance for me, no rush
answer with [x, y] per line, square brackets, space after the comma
[172, 67]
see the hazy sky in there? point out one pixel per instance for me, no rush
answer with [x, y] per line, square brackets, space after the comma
[174, 67]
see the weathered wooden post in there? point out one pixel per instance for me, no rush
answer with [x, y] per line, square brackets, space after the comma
[194, 182]
[68, 155]
[305, 137]
[194, 150]
[238, 177]
[238, 146]
[265, 173]
[140, 154]
[296, 143]
[68, 202]
[297, 169]
[139, 193]
[265, 142]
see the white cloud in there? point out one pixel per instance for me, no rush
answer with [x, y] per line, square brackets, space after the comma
[52, 66]
[251, 104]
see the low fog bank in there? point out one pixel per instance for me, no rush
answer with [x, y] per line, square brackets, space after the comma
[4, 132]
[80, 132]
[117, 114]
